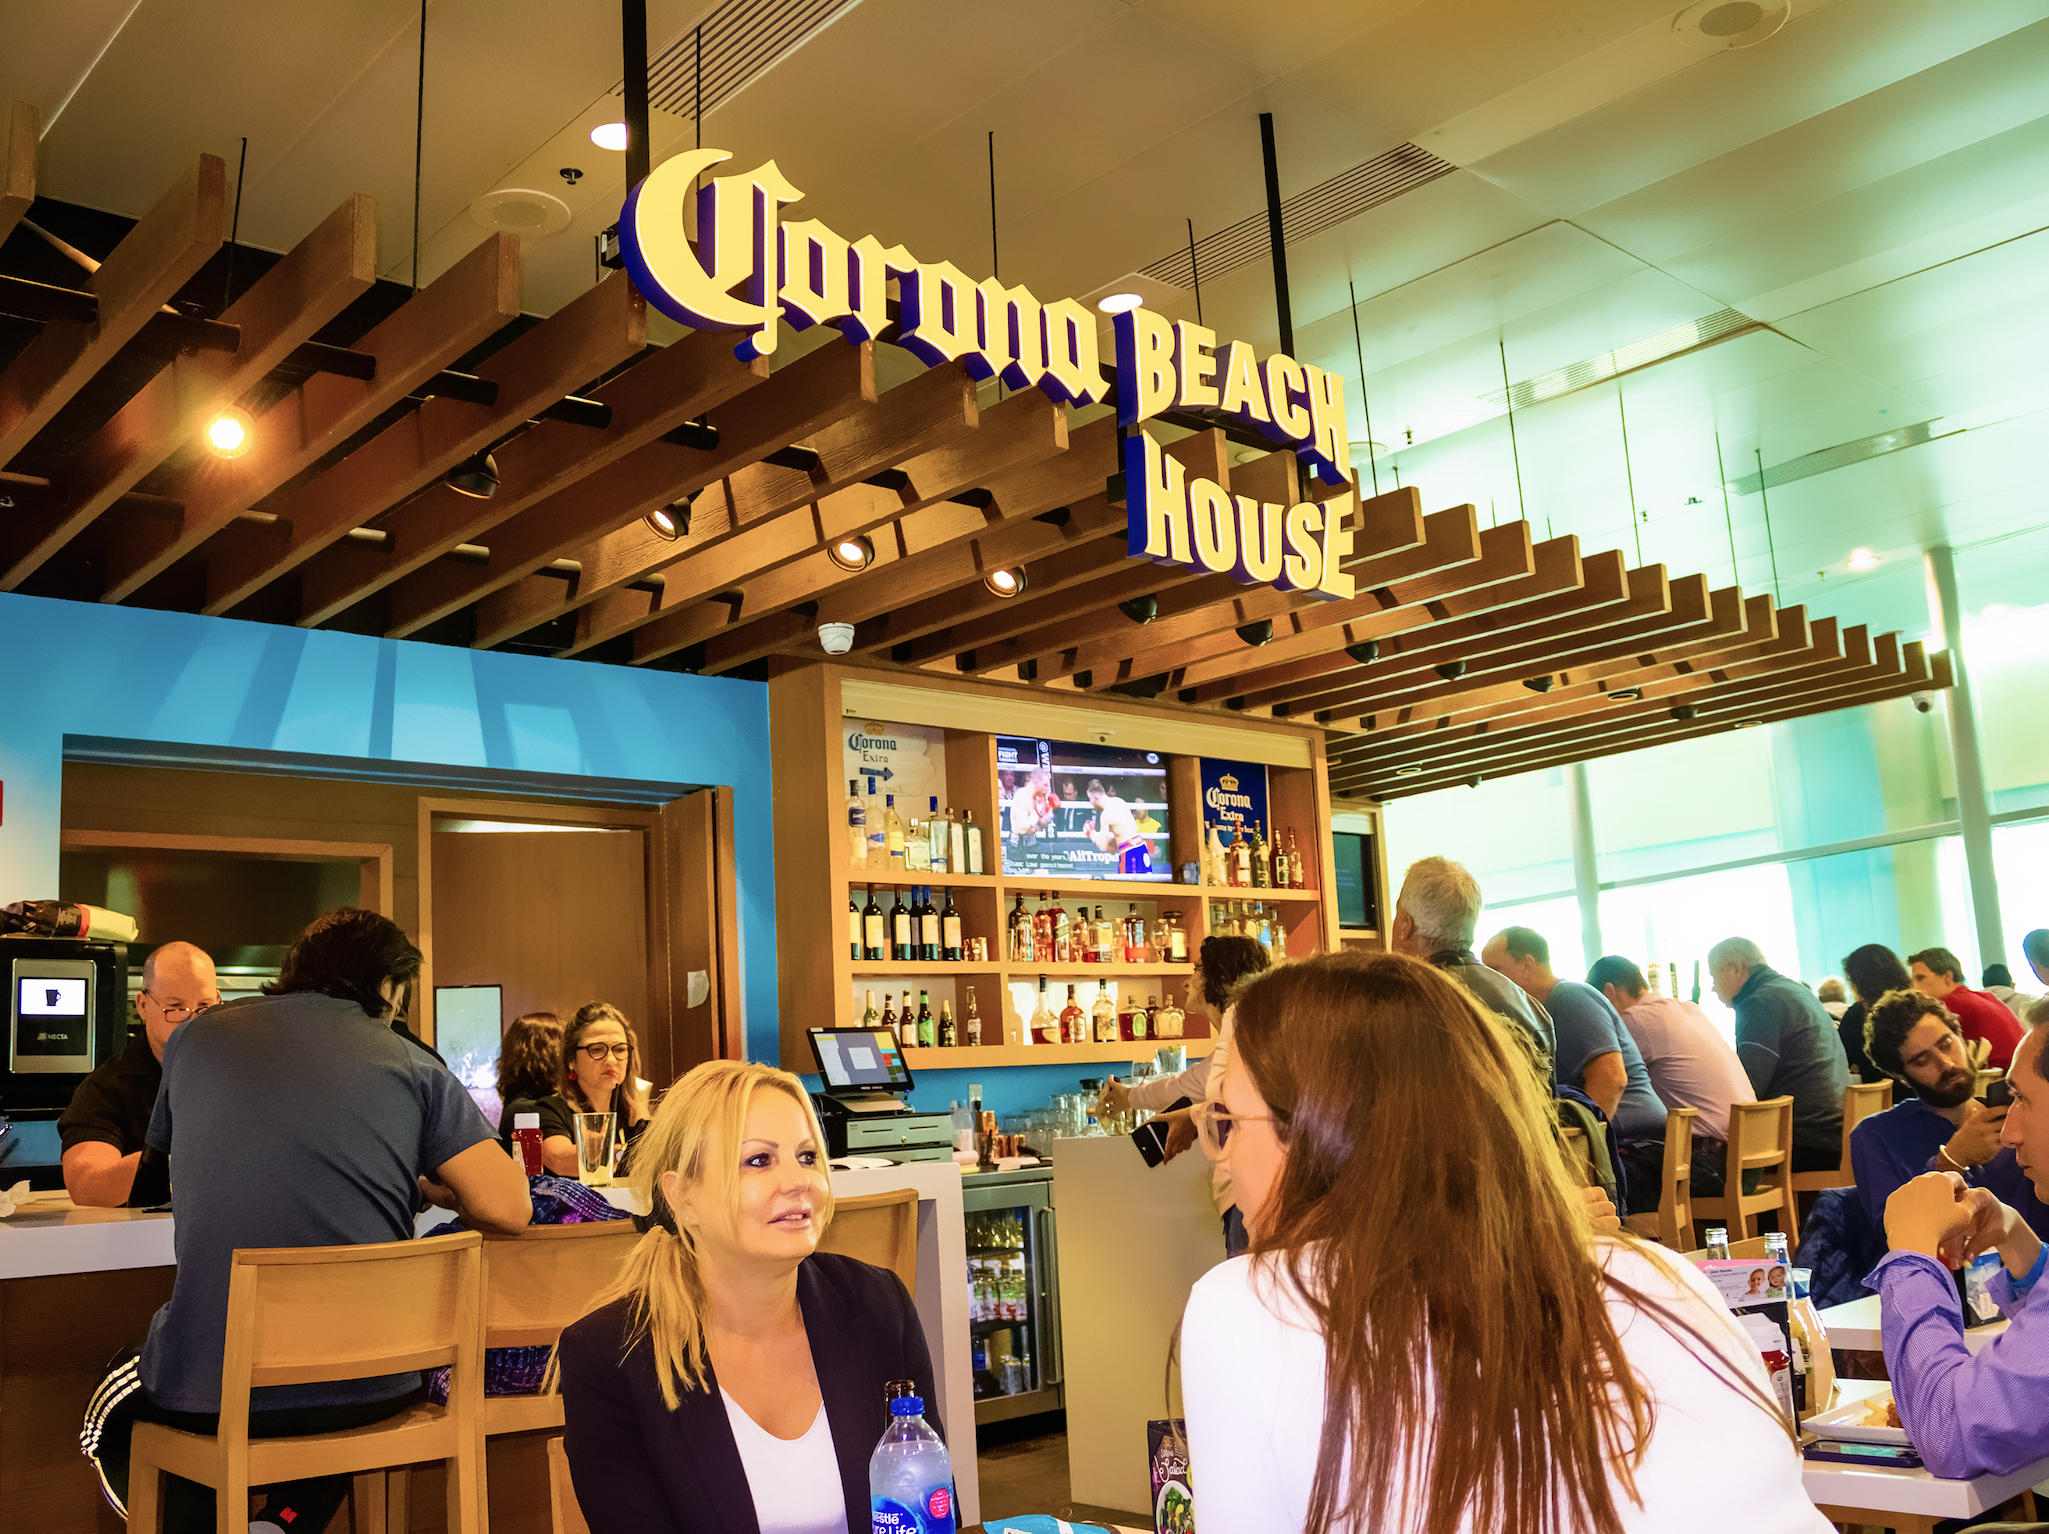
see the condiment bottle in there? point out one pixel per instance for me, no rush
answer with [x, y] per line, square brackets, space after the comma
[526, 1139]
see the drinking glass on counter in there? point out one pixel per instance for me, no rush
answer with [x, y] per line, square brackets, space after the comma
[594, 1149]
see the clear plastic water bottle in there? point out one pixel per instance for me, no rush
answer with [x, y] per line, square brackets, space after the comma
[910, 1478]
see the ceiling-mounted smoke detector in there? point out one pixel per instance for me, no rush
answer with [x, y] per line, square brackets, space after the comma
[519, 210]
[1715, 26]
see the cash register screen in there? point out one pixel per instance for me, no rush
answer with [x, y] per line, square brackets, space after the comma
[859, 1057]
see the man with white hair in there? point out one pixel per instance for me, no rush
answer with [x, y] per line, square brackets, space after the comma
[103, 1129]
[1435, 917]
[1788, 1046]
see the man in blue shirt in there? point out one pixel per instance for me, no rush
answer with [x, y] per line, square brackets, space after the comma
[1595, 1053]
[1936, 1127]
[1788, 1047]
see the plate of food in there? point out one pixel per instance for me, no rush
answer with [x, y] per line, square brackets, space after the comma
[1874, 1419]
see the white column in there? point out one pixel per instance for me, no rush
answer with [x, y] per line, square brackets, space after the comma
[1586, 873]
[1974, 810]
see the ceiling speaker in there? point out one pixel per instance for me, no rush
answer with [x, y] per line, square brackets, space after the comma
[1715, 26]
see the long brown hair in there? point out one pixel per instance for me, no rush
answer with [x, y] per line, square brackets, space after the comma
[623, 1098]
[530, 1056]
[1476, 1377]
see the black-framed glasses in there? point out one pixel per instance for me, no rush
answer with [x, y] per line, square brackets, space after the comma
[176, 1015]
[596, 1053]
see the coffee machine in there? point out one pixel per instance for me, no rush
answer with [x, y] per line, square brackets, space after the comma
[67, 1014]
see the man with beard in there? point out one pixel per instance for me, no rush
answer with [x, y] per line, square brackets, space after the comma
[1936, 1127]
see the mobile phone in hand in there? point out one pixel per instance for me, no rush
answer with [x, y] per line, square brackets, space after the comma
[1999, 1094]
[1893, 1456]
[1151, 1136]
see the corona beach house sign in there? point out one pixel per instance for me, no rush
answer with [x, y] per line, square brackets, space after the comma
[747, 268]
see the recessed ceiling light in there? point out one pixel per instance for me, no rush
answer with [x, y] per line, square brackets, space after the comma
[1119, 303]
[1862, 559]
[228, 433]
[1005, 583]
[1408, 772]
[1747, 724]
[670, 522]
[1625, 694]
[609, 135]
[852, 554]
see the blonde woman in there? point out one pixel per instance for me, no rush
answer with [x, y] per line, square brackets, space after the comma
[600, 1074]
[732, 1377]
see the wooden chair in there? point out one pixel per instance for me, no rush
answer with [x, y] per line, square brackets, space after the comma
[1859, 1103]
[881, 1228]
[535, 1284]
[1756, 1249]
[1675, 1190]
[1579, 1160]
[1760, 1141]
[297, 1315]
[565, 1515]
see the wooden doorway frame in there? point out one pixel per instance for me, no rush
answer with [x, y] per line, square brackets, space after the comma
[374, 860]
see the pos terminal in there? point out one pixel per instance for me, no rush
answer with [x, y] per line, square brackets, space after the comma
[862, 1109]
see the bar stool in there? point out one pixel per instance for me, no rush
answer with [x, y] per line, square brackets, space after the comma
[878, 1228]
[1675, 1191]
[1860, 1101]
[1760, 1141]
[535, 1284]
[297, 1315]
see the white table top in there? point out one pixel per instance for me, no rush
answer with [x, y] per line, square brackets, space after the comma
[1855, 1326]
[1880, 1490]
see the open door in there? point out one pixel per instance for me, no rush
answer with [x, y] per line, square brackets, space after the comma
[694, 927]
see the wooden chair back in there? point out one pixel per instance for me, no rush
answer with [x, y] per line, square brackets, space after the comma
[1675, 1191]
[537, 1282]
[1760, 1141]
[878, 1228]
[1860, 1101]
[565, 1514]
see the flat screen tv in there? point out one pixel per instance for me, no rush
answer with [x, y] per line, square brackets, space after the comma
[1071, 811]
[1352, 868]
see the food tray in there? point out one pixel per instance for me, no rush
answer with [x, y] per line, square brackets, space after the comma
[1845, 1424]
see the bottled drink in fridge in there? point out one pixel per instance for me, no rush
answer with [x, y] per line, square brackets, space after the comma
[910, 1478]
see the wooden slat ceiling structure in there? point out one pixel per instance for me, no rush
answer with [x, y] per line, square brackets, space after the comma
[1469, 652]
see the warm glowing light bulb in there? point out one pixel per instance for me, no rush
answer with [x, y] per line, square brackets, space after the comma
[1862, 559]
[228, 433]
[609, 135]
[1118, 303]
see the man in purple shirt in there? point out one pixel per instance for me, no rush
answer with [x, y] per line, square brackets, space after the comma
[1982, 1414]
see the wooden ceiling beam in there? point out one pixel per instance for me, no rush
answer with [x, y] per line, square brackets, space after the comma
[312, 283]
[452, 315]
[158, 256]
[20, 133]
[1468, 629]
[586, 338]
[1025, 428]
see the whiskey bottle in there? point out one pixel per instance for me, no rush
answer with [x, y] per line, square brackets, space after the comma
[1063, 937]
[1045, 1025]
[874, 935]
[1103, 1013]
[1280, 866]
[1106, 948]
[1142, 1020]
[974, 1023]
[950, 947]
[900, 935]
[1020, 934]
[949, 1036]
[1262, 865]
[1298, 877]
[1074, 1022]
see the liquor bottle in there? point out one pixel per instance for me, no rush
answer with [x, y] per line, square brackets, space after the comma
[1262, 864]
[1073, 1021]
[974, 839]
[930, 942]
[1042, 929]
[900, 936]
[1298, 876]
[939, 834]
[928, 1033]
[1103, 1012]
[1177, 940]
[1135, 950]
[1241, 858]
[1045, 1025]
[871, 1018]
[1020, 934]
[853, 928]
[1215, 861]
[1142, 1020]
[917, 844]
[888, 1018]
[857, 825]
[874, 935]
[956, 844]
[1168, 1019]
[1280, 866]
[1106, 939]
[974, 1023]
[949, 1036]
[892, 831]
[1063, 936]
[907, 1023]
[950, 948]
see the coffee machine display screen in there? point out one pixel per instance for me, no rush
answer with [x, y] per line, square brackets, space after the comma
[52, 1015]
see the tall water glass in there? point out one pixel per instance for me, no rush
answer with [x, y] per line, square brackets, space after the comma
[594, 1149]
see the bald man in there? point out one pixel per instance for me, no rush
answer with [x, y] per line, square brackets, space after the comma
[103, 1129]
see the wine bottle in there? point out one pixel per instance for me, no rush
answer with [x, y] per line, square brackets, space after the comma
[857, 825]
[949, 1036]
[907, 1023]
[974, 1023]
[888, 1018]
[950, 948]
[928, 929]
[1045, 1024]
[900, 938]
[1073, 1021]
[928, 1035]
[874, 935]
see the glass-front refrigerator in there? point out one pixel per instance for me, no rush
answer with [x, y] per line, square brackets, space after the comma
[1013, 1294]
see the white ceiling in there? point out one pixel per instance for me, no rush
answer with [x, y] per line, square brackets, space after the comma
[1873, 181]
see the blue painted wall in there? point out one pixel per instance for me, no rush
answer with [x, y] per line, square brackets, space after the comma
[71, 668]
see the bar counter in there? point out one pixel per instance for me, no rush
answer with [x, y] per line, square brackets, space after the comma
[76, 1285]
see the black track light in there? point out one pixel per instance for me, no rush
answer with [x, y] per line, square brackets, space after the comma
[1683, 711]
[1451, 670]
[476, 476]
[1366, 652]
[1256, 634]
[1235, 704]
[1140, 609]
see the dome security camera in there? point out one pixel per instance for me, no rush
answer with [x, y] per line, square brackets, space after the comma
[836, 638]
[1924, 702]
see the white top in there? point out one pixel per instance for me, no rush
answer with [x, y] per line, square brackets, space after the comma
[795, 1481]
[1252, 1370]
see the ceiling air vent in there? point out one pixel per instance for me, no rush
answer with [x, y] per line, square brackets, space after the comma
[742, 40]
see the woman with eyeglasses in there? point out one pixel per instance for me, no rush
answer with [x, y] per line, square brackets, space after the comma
[600, 1074]
[1427, 1334]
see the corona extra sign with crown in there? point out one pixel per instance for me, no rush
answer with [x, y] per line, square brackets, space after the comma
[747, 268]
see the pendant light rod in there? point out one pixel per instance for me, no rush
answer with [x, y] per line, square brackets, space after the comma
[1194, 272]
[995, 265]
[1515, 451]
[1359, 349]
[1629, 475]
[1728, 515]
[419, 140]
[1273, 229]
[1771, 547]
[633, 51]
